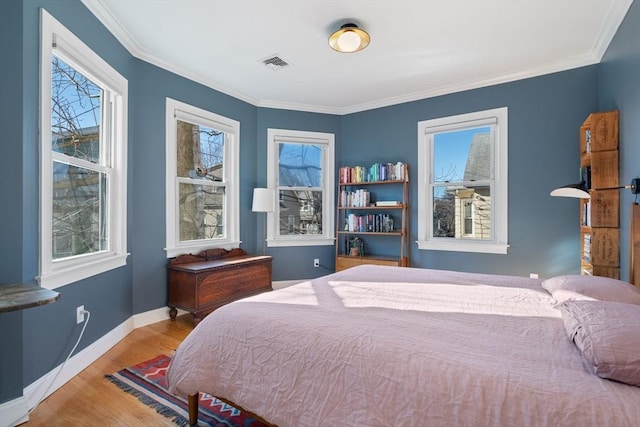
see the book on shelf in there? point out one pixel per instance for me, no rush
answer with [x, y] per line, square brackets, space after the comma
[371, 223]
[388, 203]
[586, 248]
[586, 213]
[374, 173]
[355, 199]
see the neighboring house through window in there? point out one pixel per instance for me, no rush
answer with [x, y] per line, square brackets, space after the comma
[202, 180]
[462, 182]
[300, 170]
[83, 133]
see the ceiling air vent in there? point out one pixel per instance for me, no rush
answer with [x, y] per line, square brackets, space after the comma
[274, 62]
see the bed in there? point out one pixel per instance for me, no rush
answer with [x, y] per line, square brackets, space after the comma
[392, 346]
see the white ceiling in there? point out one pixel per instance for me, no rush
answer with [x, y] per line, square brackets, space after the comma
[418, 48]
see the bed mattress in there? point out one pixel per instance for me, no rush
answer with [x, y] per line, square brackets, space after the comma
[390, 346]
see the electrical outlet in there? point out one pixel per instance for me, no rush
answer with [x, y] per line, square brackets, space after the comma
[316, 262]
[80, 314]
[533, 275]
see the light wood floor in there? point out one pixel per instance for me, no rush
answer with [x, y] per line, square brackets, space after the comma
[89, 399]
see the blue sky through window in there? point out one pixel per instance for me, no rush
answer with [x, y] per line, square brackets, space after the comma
[451, 151]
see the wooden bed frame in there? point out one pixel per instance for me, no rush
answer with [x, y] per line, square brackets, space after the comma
[634, 278]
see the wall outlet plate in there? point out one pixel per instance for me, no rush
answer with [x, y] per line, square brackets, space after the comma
[316, 262]
[80, 314]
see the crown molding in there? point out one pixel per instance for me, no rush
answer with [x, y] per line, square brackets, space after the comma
[616, 14]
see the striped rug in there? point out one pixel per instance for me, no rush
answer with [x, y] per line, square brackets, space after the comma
[147, 381]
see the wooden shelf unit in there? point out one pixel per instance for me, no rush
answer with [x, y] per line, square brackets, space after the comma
[600, 215]
[400, 230]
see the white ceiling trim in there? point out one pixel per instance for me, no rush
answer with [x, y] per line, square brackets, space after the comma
[605, 35]
[443, 90]
[610, 27]
[124, 37]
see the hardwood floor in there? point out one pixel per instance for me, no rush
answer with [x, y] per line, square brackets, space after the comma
[91, 400]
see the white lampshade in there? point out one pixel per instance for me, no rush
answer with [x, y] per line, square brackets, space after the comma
[263, 200]
[578, 191]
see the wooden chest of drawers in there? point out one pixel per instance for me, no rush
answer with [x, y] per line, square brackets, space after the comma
[201, 283]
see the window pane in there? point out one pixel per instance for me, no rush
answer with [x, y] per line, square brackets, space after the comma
[201, 214]
[462, 212]
[200, 151]
[468, 216]
[300, 212]
[300, 165]
[75, 113]
[462, 155]
[79, 211]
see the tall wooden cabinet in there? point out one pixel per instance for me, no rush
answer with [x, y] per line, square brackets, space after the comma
[600, 215]
[373, 208]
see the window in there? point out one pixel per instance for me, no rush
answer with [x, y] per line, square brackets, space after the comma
[83, 144]
[468, 217]
[462, 172]
[202, 180]
[301, 166]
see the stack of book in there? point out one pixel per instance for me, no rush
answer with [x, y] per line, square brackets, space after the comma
[373, 173]
[383, 203]
[354, 199]
[371, 223]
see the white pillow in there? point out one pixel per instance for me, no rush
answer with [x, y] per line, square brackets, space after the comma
[608, 335]
[576, 287]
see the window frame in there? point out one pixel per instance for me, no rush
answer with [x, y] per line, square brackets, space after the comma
[498, 120]
[57, 40]
[177, 110]
[276, 136]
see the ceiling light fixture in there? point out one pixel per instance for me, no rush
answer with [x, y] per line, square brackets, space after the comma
[349, 38]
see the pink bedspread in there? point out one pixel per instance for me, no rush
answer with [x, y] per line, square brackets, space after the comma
[388, 346]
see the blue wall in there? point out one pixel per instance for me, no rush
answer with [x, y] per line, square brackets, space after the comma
[10, 194]
[108, 295]
[149, 88]
[544, 117]
[545, 114]
[294, 262]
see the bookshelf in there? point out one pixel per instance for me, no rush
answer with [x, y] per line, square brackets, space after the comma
[600, 215]
[373, 204]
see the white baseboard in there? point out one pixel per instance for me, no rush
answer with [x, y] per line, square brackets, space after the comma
[14, 412]
[37, 390]
[152, 316]
[17, 411]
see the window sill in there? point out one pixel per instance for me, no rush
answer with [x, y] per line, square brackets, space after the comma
[73, 273]
[301, 241]
[478, 247]
[197, 248]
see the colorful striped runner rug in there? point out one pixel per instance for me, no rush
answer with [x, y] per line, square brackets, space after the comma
[147, 381]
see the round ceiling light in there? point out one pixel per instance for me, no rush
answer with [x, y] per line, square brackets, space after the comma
[349, 38]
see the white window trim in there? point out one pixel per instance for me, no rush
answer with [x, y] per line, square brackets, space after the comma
[54, 274]
[328, 203]
[498, 245]
[232, 177]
